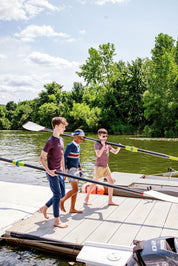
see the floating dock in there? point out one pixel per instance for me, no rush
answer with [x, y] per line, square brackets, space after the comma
[133, 219]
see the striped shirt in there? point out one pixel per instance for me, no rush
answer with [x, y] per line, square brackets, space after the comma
[71, 155]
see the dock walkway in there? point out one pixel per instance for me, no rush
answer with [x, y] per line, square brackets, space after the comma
[134, 218]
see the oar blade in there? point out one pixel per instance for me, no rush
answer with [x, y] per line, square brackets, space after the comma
[161, 196]
[34, 127]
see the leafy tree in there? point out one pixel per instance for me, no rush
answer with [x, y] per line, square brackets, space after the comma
[21, 115]
[84, 116]
[10, 107]
[160, 100]
[100, 68]
[50, 89]
[46, 112]
[137, 84]
[4, 122]
[77, 92]
[53, 88]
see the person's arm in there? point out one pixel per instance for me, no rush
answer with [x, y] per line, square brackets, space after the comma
[115, 151]
[43, 162]
[100, 152]
[63, 165]
[66, 154]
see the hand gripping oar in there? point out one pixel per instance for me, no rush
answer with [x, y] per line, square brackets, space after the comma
[150, 193]
[35, 127]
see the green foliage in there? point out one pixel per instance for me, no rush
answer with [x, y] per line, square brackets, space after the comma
[100, 68]
[84, 116]
[4, 122]
[77, 92]
[160, 99]
[46, 112]
[21, 115]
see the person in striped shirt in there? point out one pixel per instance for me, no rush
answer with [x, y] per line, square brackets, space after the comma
[73, 167]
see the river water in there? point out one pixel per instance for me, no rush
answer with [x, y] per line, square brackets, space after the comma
[27, 146]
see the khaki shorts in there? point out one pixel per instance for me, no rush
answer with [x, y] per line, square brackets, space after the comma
[100, 172]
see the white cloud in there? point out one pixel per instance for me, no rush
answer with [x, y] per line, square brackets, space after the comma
[15, 83]
[50, 61]
[82, 32]
[103, 2]
[2, 57]
[19, 87]
[23, 9]
[24, 72]
[33, 31]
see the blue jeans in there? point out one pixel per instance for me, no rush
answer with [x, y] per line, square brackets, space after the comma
[57, 186]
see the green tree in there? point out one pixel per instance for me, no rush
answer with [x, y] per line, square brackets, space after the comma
[100, 68]
[50, 89]
[137, 85]
[160, 100]
[4, 122]
[84, 116]
[46, 112]
[21, 114]
[77, 92]
[10, 108]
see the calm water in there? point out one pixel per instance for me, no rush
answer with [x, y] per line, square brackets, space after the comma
[26, 146]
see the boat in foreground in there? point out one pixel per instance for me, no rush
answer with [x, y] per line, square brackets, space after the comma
[156, 251]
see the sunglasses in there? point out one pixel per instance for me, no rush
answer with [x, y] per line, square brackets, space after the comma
[105, 136]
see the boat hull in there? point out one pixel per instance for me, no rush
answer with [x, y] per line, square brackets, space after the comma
[142, 183]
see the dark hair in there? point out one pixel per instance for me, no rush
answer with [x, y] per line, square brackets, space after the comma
[58, 120]
[102, 131]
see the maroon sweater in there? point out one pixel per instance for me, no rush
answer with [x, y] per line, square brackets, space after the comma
[54, 147]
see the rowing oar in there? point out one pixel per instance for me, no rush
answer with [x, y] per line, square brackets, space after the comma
[149, 193]
[35, 127]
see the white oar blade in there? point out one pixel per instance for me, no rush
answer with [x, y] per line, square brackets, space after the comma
[161, 196]
[33, 126]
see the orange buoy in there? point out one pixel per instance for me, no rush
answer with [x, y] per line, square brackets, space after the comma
[98, 189]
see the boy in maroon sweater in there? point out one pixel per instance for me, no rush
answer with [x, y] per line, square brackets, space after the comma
[53, 151]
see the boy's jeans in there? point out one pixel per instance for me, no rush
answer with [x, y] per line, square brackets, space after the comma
[57, 186]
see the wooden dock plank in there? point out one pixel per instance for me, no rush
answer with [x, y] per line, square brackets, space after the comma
[171, 223]
[152, 226]
[127, 232]
[92, 217]
[74, 219]
[37, 224]
[113, 221]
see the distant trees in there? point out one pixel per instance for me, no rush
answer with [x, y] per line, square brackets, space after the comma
[123, 97]
[161, 97]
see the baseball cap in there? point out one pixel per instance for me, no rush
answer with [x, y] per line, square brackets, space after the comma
[79, 132]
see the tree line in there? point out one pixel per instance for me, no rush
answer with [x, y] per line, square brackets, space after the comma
[126, 98]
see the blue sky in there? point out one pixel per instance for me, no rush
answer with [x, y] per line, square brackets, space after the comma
[47, 40]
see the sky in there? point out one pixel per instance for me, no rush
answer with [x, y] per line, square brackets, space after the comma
[42, 41]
